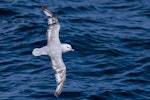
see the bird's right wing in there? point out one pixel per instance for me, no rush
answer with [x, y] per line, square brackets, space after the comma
[53, 25]
[60, 74]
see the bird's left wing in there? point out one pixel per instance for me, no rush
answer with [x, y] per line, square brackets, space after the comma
[53, 25]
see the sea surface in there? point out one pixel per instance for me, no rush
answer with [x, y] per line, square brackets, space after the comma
[111, 39]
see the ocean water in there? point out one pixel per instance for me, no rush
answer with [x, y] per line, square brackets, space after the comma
[111, 39]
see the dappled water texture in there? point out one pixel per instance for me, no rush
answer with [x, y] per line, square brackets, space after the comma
[111, 39]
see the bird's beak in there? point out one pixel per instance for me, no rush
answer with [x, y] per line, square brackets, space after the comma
[72, 50]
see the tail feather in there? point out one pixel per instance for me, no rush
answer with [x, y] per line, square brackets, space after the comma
[40, 51]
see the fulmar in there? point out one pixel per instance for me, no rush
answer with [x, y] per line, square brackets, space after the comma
[54, 49]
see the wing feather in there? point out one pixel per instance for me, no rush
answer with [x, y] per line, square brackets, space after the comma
[53, 25]
[60, 74]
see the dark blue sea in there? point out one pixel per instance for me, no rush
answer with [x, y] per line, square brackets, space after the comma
[111, 39]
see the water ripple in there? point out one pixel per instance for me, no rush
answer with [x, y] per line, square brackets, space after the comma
[111, 42]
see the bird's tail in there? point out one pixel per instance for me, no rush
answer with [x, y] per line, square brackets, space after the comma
[40, 51]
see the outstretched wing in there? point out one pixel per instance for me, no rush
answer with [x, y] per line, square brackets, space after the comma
[53, 25]
[60, 74]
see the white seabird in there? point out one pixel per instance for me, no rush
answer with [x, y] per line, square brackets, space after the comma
[54, 50]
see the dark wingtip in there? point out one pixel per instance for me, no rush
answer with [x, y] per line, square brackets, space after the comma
[44, 7]
[56, 94]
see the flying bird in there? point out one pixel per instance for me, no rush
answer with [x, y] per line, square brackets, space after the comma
[54, 49]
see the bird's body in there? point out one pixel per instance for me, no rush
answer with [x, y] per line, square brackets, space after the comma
[54, 49]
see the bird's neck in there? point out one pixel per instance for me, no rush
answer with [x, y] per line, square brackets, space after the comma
[63, 48]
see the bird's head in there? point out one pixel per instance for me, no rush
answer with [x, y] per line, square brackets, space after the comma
[66, 48]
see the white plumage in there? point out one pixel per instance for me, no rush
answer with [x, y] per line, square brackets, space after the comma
[54, 50]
